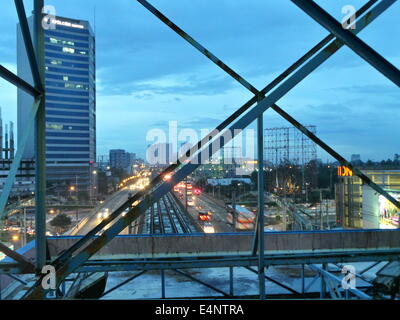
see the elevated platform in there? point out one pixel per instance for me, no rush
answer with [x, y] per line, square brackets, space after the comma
[238, 244]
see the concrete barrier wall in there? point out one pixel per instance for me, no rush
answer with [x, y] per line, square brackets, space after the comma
[239, 243]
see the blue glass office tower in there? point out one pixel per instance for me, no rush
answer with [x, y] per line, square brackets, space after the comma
[70, 104]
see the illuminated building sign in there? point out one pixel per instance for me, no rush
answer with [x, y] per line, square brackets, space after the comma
[67, 24]
[344, 171]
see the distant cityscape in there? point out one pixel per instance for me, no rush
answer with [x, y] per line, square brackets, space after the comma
[193, 220]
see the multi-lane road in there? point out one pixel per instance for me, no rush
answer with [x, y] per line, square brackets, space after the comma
[219, 214]
[163, 217]
[112, 203]
[167, 215]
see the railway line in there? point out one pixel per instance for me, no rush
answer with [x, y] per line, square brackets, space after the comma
[166, 217]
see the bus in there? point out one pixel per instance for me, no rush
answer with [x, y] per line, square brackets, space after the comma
[245, 219]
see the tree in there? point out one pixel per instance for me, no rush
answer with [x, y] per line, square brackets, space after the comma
[61, 222]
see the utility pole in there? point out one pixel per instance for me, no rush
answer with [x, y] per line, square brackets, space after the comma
[234, 215]
[186, 194]
[320, 205]
[24, 227]
[77, 198]
[320, 210]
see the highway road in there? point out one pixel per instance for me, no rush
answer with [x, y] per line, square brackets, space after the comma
[205, 202]
[165, 216]
[112, 203]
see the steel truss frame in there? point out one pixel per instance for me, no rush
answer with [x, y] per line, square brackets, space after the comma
[36, 118]
[330, 283]
[70, 261]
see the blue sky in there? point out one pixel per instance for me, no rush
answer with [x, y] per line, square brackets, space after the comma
[147, 75]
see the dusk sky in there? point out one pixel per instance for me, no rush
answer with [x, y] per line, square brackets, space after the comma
[148, 75]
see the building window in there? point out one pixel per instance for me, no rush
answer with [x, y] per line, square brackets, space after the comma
[68, 50]
[54, 126]
[65, 78]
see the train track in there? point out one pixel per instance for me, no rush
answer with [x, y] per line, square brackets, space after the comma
[166, 217]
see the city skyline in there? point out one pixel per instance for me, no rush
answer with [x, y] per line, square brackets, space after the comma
[262, 207]
[150, 97]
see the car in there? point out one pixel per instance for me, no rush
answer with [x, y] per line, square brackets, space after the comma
[103, 214]
[208, 227]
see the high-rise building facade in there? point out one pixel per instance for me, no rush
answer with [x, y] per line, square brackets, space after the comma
[70, 75]
[118, 159]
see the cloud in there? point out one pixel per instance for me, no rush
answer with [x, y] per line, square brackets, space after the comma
[148, 75]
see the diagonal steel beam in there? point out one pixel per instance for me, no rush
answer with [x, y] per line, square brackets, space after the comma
[18, 82]
[336, 155]
[352, 41]
[19, 5]
[123, 283]
[310, 67]
[201, 282]
[329, 275]
[198, 46]
[67, 264]
[231, 72]
[329, 51]
[25, 264]
[17, 159]
[275, 281]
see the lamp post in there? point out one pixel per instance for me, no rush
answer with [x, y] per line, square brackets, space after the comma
[93, 185]
[72, 189]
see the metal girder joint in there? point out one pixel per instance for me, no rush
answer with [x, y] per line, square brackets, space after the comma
[335, 279]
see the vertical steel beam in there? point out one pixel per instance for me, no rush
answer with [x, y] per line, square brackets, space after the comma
[260, 225]
[73, 263]
[276, 282]
[323, 282]
[162, 283]
[33, 62]
[231, 291]
[352, 41]
[17, 160]
[40, 129]
[321, 57]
